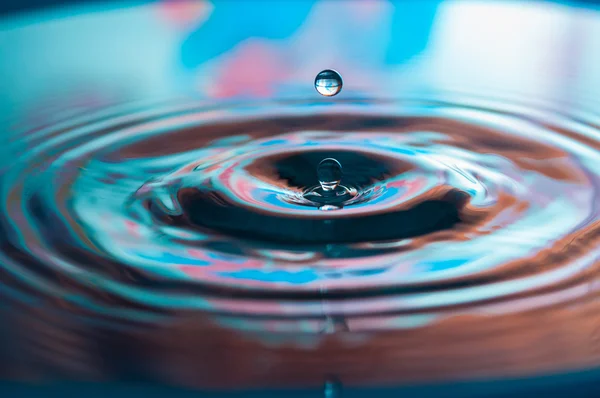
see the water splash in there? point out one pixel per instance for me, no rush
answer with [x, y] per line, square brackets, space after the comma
[329, 173]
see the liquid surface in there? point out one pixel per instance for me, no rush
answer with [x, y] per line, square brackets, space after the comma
[251, 234]
[200, 210]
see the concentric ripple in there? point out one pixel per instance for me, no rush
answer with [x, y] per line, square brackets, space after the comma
[458, 209]
[214, 198]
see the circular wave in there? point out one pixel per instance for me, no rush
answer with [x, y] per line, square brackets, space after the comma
[459, 209]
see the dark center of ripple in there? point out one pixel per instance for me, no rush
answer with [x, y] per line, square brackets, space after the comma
[309, 180]
[426, 217]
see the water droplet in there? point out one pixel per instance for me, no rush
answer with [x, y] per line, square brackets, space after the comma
[328, 83]
[329, 173]
[329, 208]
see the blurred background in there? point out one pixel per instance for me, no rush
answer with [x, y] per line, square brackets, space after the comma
[64, 56]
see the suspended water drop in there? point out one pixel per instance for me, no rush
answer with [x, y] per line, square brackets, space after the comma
[329, 173]
[328, 83]
[329, 208]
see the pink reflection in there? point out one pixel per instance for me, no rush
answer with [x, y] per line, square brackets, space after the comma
[184, 13]
[254, 68]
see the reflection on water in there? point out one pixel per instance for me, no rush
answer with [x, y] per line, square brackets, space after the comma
[179, 206]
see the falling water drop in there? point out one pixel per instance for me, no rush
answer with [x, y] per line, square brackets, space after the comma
[328, 83]
[329, 173]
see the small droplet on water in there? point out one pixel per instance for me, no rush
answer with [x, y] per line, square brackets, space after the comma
[328, 83]
[329, 173]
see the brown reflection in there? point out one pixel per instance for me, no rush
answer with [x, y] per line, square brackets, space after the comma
[191, 350]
